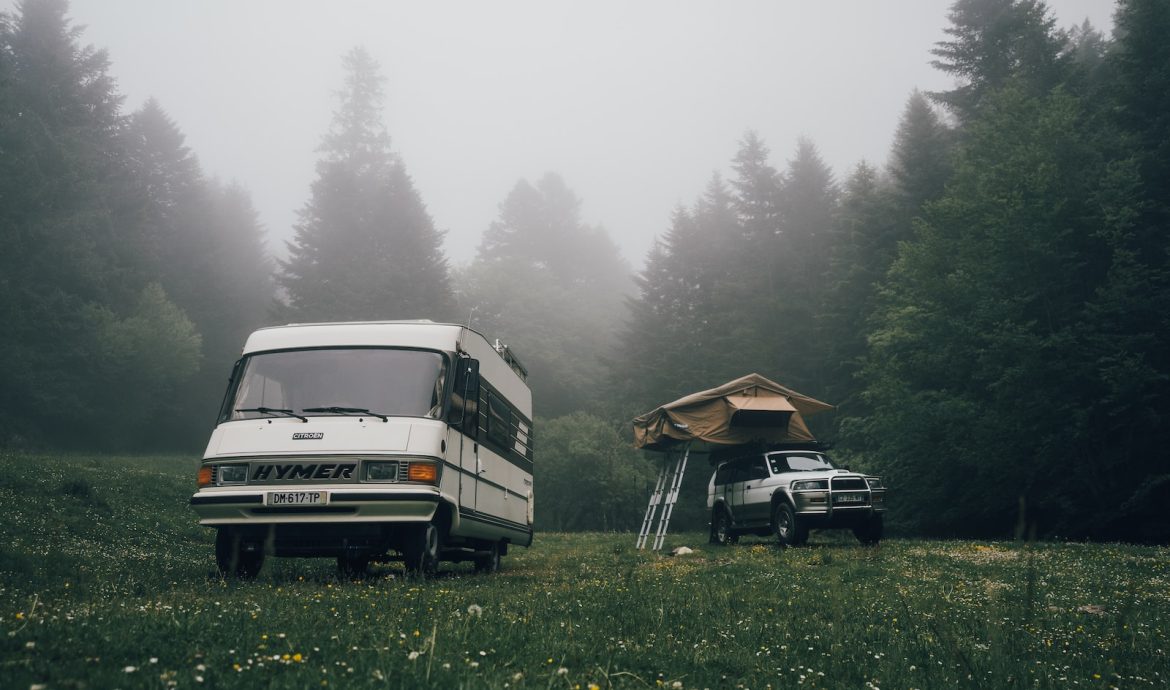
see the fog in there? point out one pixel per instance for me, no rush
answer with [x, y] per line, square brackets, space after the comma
[634, 104]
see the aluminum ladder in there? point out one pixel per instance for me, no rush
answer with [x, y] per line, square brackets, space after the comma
[665, 495]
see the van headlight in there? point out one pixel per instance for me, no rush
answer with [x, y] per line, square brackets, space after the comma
[232, 474]
[810, 485]
[382, 471]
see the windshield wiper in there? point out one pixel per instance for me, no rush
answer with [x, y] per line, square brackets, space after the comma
[347, 411]
[273, 410]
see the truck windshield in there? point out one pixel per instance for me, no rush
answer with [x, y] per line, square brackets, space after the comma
[386, 382]
[798, 462]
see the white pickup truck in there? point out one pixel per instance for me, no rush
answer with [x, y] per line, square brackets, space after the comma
[787, 492]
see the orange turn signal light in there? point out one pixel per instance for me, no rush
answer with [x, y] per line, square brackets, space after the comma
[423, 472]
[204, 476]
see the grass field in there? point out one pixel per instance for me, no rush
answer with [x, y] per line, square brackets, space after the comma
[107, 582]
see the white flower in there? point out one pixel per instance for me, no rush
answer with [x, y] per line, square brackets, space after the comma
[562, 671]
[475, 610]
[412, 656]
[130, 669]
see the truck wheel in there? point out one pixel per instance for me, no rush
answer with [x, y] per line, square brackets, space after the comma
[871, 532]
[788, 530]
[233, 561]
[489, 562]
[721, 528]
[352, 566]
[421, 551]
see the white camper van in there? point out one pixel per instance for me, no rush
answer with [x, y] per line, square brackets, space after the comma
[370, 441]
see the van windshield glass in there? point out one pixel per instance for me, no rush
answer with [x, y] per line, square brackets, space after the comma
[406, 383]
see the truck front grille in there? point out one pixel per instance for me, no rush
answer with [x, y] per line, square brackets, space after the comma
[849, 484]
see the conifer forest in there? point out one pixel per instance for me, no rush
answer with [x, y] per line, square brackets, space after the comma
[988, 308]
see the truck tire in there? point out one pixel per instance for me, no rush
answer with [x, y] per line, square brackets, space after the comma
[870, 533]
[422, 549]
[789, 532]
[234, 561]
[721, 528]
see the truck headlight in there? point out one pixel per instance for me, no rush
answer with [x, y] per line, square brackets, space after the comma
[874, 482]
[810, 485]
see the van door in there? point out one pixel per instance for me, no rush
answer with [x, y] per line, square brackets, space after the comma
[463, 428]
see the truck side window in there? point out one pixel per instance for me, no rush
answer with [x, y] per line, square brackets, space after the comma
[758, 470]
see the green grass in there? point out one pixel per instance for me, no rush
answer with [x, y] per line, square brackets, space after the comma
[107, 582]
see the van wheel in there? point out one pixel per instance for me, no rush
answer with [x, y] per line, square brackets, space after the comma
[489, 562]
[788, 530]
[352, 566]
[234, 561]
[721, 528]
[421, 551]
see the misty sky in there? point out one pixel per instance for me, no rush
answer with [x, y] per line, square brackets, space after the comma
[635, 104]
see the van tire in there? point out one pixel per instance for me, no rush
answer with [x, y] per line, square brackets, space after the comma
[352, 566]
[422, 549]
[233, 561]
[490, 561]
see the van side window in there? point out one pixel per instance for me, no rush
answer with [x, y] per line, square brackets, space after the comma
[499, 427]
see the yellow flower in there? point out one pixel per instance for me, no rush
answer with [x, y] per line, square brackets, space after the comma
[20, 615]
[297, 657]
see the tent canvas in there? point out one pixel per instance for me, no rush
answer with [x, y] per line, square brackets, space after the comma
[749, 409]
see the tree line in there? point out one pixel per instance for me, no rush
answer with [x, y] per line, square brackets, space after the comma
[987, 309]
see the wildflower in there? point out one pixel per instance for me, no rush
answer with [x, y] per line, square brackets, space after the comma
[412, 656]
[130, 669]
[297, 657]
[475, 610]
[562, 671]
[517, 677]
[30, 645]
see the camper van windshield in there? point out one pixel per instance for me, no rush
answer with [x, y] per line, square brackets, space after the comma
[406, 383]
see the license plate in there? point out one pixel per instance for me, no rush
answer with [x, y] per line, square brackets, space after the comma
[296, 498]
[849, 498]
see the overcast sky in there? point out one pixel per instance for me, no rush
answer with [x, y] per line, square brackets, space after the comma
[634, 103]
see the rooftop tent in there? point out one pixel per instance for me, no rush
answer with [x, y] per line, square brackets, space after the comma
[748, 409]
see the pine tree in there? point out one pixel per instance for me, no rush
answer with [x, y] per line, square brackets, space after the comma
[553, 288]
[920, 157]
[994, 42]
[76, 274]
[364, 247]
